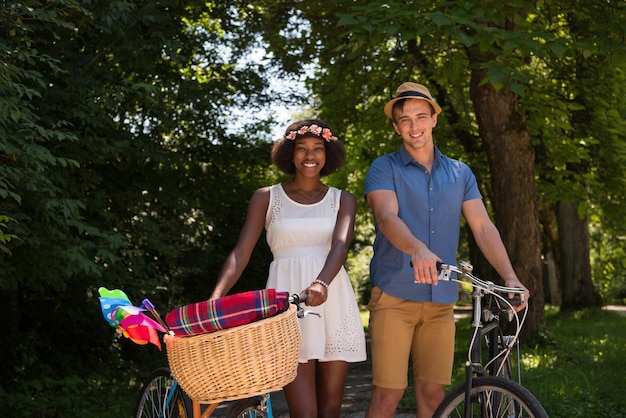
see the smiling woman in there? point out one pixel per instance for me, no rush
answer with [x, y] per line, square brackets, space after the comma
[309, 227]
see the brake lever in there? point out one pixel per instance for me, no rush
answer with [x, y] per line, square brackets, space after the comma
[298, 300]
[302, 313]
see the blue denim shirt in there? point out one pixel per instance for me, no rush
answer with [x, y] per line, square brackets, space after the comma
[430, 206]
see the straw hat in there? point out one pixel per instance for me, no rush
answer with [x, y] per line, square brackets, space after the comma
[410, 90]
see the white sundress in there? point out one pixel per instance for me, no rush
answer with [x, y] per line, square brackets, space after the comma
[300, 237]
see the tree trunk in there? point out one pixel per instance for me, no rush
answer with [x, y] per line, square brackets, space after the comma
[551, 280]
[577, 286]
[507, 142]
[551, 255]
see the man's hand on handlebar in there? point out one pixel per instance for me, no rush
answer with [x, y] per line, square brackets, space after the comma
[426, 271]
[524, 300]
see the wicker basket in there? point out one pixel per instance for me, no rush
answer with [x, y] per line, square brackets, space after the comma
[237, 363]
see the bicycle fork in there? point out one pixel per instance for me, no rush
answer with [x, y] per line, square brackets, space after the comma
[266, 405]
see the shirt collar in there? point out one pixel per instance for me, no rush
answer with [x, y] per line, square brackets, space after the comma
[407, 159]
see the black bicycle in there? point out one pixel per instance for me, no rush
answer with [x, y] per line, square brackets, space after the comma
[489, 390]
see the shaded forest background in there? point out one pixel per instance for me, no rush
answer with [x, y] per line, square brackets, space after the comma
[132, 135]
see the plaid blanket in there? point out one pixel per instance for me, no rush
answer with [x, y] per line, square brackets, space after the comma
[226, 312]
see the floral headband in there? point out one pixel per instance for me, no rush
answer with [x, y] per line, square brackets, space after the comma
[325, 133]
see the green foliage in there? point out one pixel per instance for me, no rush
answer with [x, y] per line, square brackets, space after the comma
[564, 60]
[70, 397]
[5, 238]
[121, 167]
[609, 265]
[357, 266]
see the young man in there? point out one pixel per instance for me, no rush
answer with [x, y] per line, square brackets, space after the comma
[417, 196]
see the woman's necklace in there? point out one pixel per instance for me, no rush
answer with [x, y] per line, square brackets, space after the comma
[312, 196]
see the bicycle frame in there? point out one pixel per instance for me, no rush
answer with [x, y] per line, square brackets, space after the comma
[489, 391]
[481, 327]
[491, 328]
[196, 409]
[266, 402]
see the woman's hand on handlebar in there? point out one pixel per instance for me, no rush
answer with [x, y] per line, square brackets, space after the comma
[316, 294]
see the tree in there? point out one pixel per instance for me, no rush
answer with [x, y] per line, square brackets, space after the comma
[121, 168]
[381, 47]
[495, 70]
[580, 86]
[578, 290]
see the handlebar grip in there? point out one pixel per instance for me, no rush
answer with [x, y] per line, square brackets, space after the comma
[439, 264]
[297, 299]
[516, 300]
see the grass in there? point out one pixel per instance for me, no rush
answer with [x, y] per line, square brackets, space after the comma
[365, 318]
[577, 369]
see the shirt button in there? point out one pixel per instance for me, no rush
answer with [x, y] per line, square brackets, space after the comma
[432, 231]
[430, 189]
[432, 209]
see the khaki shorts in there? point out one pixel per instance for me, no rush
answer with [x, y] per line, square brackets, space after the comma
[399, 328]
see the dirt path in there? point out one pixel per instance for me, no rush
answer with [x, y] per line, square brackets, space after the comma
[621, 309]
[358, 387]
[356, 396]
[355, 400]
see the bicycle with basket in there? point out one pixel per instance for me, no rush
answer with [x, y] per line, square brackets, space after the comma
[244, 363]
[489, 390]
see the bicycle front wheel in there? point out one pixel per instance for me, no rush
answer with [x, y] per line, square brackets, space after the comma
[162, 397]
[248, 408]
[492, 397]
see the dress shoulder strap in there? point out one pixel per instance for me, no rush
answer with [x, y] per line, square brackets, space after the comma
[335, 198]
[273, 208]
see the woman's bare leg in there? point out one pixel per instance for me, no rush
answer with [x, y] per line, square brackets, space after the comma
[330, 382]
[301, 394]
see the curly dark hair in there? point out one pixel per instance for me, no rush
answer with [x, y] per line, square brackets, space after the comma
[282, 152]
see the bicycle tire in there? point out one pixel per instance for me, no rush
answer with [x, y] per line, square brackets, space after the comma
[513, 400]
[153, 398]
[247, 408]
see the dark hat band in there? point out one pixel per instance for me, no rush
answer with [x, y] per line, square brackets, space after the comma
[412, 94]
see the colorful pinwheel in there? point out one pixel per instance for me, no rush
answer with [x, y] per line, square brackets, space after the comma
[121, 314]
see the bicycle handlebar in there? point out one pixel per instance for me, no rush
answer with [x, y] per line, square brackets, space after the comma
[465, 270]
[500, 293]
[298, 300]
